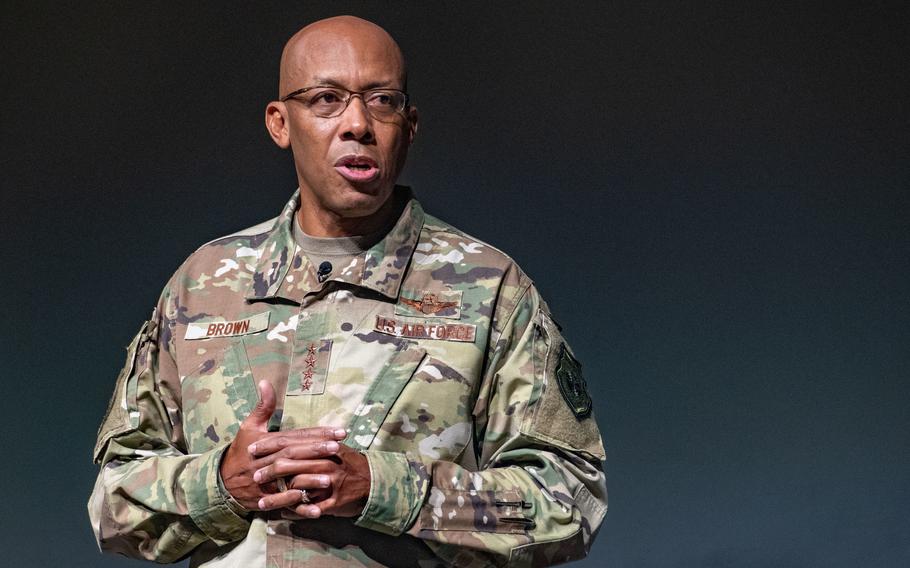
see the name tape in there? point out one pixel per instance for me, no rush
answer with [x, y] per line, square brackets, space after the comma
[205, 330]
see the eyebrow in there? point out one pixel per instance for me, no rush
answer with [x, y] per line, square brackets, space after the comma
[374, 85]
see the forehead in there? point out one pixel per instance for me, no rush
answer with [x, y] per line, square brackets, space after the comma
[356, 62]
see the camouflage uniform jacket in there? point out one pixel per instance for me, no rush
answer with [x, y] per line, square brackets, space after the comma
[433, 350]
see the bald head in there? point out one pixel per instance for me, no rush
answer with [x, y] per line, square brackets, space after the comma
[347, 162]
[325, 46]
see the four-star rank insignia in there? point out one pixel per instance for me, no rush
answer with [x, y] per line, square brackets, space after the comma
[441, 304]
[572, 384]
[310, 368]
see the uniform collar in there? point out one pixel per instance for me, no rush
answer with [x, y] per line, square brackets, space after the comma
[384, 265]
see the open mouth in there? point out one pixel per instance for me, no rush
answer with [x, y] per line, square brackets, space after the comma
[357, 168]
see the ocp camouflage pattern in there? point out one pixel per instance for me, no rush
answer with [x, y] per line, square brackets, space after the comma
[476, 458]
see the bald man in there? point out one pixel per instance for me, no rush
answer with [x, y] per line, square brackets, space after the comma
[354, 382]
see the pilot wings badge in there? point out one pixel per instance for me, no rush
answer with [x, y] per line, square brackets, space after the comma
[442, 304]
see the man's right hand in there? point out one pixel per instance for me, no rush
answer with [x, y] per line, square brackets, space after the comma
[238, 464]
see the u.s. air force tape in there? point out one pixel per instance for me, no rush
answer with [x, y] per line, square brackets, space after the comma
[424, 330]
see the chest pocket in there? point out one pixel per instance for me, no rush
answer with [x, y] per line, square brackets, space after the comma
[217, 396]
[381, 397]
[428, 412]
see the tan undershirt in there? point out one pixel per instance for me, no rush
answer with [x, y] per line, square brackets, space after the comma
[331, 256]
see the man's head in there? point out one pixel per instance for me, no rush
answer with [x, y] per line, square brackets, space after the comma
[346, 164]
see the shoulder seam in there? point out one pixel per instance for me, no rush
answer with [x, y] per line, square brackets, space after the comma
[516, 299]
[449, 228]
[257, 229]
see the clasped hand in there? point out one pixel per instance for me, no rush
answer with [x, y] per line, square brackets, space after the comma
[335, 477]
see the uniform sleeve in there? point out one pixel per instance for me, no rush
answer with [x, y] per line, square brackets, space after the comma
[537, 495]
[152, 499]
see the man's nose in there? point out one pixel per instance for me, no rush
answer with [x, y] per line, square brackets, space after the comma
[356, 122]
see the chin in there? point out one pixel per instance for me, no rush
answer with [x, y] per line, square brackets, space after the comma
[362, 204]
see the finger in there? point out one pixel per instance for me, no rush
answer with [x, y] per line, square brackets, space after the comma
[284, 467]
[290, 515]
[289, 498]
[279, 440]
[310, 451]
[322, 432]
[316, 495]
[259, 416]
[310, 481]
[295, 449]
[326, 464]
[308, 511]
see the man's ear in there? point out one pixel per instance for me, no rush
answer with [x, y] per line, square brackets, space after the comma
[413, 119]
[276, 122]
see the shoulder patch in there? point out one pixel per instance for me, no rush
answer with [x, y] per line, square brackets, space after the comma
[560, 410]
[572, 384]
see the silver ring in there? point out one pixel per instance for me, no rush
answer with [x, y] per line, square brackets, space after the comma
[304, 498]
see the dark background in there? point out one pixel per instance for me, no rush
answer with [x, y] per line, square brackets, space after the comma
[713, 199]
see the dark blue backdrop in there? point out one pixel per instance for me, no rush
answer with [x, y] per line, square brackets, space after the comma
[714, 200]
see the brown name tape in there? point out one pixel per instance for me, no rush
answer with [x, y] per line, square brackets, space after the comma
[205, 330]
[464, 332]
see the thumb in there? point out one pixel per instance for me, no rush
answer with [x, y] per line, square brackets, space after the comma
[259, 416]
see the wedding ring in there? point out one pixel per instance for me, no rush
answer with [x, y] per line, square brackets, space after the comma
[304, 498]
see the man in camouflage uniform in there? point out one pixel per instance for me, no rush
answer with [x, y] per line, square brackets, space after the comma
[354, 382]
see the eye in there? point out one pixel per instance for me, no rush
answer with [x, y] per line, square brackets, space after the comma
[326, 97]
[382, 99]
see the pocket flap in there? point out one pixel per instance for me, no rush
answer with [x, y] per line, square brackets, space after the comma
[382, 394]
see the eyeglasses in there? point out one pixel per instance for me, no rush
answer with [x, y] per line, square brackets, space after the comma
[328, 102]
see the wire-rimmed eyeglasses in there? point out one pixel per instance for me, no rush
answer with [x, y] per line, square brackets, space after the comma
[327, 102]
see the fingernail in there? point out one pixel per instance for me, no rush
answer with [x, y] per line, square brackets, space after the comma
[341, 433]
[324, 480]
[331, 446]
[257, 477]
[262, 503]
[252, 448]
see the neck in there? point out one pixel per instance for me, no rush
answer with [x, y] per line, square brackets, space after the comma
[318, 222]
